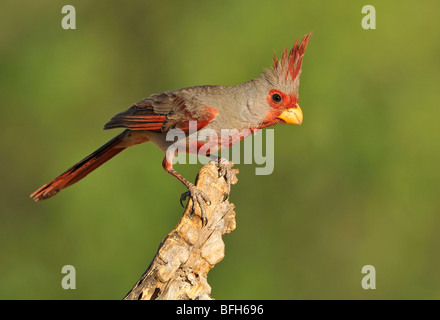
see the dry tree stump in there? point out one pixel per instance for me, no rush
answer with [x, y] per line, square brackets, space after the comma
[180, 267]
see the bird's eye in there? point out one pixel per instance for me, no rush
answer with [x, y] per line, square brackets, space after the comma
[276, 98]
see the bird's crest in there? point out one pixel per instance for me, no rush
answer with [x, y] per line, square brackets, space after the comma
[287, 69]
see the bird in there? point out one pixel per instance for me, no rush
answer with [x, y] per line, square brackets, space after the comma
[269, 99]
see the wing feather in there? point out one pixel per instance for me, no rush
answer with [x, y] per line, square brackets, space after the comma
[160, 113]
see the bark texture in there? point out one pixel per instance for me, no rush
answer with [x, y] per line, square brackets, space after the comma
[180, 267]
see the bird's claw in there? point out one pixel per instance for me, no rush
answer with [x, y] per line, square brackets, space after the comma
[225, 170]
[199, 197]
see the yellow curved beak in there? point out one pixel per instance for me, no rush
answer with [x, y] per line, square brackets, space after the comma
[292, 115]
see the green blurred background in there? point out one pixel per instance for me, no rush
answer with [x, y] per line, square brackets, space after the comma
[357, 184]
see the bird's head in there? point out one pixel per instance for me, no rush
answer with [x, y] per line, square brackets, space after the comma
[282, 83]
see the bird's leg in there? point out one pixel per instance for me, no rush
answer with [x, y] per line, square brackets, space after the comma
[225, 170]
[195, 194]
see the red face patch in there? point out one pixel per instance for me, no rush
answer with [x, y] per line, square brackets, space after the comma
[280, 100]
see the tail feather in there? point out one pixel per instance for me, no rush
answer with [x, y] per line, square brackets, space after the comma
[82, 168]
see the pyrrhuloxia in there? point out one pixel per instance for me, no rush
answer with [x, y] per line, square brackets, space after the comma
[264, 101]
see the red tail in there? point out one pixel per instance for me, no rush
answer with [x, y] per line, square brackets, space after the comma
[82, 168]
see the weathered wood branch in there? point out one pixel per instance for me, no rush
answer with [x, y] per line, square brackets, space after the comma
[180, 267]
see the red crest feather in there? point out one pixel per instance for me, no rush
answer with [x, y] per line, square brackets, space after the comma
[291, 64]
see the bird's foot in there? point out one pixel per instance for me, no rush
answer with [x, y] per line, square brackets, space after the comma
[226, 171]
[199, 197]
